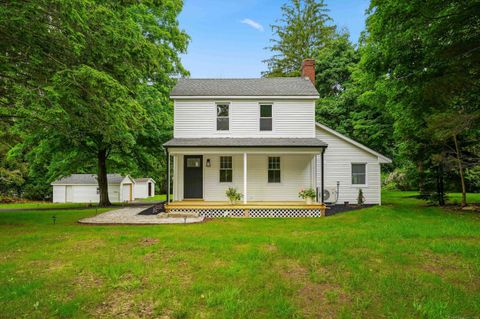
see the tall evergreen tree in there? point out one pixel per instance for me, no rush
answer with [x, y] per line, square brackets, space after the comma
[299, 34]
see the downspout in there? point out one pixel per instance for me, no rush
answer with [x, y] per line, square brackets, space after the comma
[168, 174]
[323, 176]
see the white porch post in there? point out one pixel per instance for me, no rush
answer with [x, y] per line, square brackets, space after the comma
[245, 178]
[315, 187]
[174, 177]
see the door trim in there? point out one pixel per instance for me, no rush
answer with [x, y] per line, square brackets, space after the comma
[185, 157]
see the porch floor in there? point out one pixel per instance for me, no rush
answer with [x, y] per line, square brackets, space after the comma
[200, 204]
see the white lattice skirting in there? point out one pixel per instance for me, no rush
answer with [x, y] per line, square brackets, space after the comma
[256, 213]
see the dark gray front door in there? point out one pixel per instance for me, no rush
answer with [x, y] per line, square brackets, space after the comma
[193, 176]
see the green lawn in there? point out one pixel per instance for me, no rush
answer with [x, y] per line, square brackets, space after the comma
[400, 260]
[154, 198]
[35, 205]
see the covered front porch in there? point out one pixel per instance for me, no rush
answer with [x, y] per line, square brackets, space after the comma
[268, 177]
[250, 209]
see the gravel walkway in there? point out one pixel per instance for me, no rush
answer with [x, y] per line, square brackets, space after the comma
[130, 216]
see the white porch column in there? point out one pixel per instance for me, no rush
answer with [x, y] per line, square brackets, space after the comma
[174, 177]
[315, 176]
[245, 178]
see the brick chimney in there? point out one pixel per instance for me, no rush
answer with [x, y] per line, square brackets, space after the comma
[308, 69]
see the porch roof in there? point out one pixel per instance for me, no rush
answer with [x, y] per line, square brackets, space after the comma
[245, 142]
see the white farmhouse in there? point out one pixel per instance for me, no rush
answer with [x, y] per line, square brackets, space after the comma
[260, 137]
[144, 187]
[83, 188]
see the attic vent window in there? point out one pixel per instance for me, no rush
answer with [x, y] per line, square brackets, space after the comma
[265, 117]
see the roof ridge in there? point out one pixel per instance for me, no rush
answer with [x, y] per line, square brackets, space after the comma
[261, 78]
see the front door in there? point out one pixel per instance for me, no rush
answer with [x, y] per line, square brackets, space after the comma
[193, 176]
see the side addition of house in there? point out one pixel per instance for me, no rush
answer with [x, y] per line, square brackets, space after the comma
[260, 137]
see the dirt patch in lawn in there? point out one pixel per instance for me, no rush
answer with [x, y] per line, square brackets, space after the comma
[271, 248]
[451, 269]
[314, 299]
[148, 241]
[122, 305]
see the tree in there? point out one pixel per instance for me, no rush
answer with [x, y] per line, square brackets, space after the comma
[449, 127]
[299, 34]
[349, 101]
[85, 111]
[424, 55]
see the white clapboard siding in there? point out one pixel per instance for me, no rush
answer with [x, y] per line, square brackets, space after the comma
[83, 193]
[59, 193]
[339, 156]
[291, 118]
[296, 173]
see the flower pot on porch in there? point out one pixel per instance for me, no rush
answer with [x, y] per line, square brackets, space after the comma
[309, 200]
[233, 201]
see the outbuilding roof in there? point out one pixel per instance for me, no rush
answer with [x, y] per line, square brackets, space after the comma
[87, 179]
[143, 180]
[245, 142]
[287, 86]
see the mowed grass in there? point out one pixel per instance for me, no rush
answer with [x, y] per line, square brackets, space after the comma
[400, 260]
[36, 205]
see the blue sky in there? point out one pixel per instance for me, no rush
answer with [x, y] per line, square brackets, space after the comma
[228, 37]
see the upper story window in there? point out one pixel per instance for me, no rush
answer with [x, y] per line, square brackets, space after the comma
[265, 117]
[359, 174]
[226, 169]
[223, 121]
[274, 169]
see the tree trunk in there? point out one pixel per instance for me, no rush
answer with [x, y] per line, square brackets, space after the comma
[102, 178]
[421, 177]
[440, 188]
[460, 169]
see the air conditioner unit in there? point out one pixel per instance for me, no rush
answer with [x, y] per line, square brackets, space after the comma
[330, 195]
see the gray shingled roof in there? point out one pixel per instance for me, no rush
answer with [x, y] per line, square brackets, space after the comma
[245, 142]
[143, 180]
[295, 86]
[87, 179]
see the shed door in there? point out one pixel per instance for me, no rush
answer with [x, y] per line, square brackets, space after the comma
[127, 192]
[149, 189]
[69, 194]
[193, 176]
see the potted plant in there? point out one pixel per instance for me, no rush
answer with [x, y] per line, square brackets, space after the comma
[308, 195]
[233, 195]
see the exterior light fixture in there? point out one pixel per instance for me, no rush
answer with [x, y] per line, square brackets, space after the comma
[208, 162]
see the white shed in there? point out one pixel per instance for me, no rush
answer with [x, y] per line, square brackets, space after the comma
[83, 188]
[144, 187]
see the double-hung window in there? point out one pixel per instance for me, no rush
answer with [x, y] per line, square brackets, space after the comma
[359, 174]
[223, 121]
[265, 117]
[226, 169]
[274, 169]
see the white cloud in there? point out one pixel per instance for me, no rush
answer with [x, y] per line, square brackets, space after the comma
[253, 24]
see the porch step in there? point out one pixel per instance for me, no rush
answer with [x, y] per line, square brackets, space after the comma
[183, 214]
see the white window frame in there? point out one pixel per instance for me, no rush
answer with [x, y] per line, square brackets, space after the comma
[280, 170]
[217, 117]
[260, 116]
[366, 174]
[225, 169]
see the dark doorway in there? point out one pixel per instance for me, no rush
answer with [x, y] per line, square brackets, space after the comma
[149, 189]
[193, 176]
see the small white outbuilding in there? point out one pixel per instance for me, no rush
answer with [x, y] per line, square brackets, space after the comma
[144, 187]
[83, 188]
